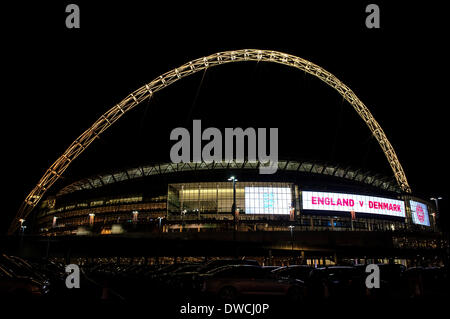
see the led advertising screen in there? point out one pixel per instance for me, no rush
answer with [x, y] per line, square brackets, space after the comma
[268, 200]
[419, 212]
[351, 202]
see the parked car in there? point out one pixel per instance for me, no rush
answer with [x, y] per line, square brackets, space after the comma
[300, 272]
[390, 281]
[426, 281]
[229, 282]
[13, 286]
[210, 265]
[22, 268]
[335, 282]
[189, 280]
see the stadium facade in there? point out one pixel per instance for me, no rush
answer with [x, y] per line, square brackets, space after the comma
[198, 197]
[315, 211]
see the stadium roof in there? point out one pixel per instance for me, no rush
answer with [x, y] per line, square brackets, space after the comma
[97, 181]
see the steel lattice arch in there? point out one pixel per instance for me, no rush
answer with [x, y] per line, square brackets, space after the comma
[54, 172]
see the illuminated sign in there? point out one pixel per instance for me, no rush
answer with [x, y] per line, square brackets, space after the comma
[268, 200]
[350, 202]
[419, 213]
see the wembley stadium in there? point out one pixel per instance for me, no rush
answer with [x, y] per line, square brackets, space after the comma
[317, 212]
[173, 231]
[314, 212]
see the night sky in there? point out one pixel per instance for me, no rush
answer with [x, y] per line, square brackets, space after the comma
[58, 81]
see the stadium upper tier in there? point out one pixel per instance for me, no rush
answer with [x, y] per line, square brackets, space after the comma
[347, 173]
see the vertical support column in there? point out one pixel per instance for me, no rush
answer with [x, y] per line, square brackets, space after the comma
[198, 202]
[182, 198]
[167, 201]
[270, 257]
[296, 202]
[217, 199]
[408, 215]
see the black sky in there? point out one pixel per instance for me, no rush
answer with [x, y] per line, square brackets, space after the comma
[57, 82]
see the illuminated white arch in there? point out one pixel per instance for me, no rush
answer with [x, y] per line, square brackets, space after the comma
[112, 115]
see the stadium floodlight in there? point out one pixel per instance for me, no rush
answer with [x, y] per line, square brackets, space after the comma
[234, 180]
[291, 227]
[233, 208]
[22, 227]
[135, 216]
[91, 219]
[436, 201]
[159, 223]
